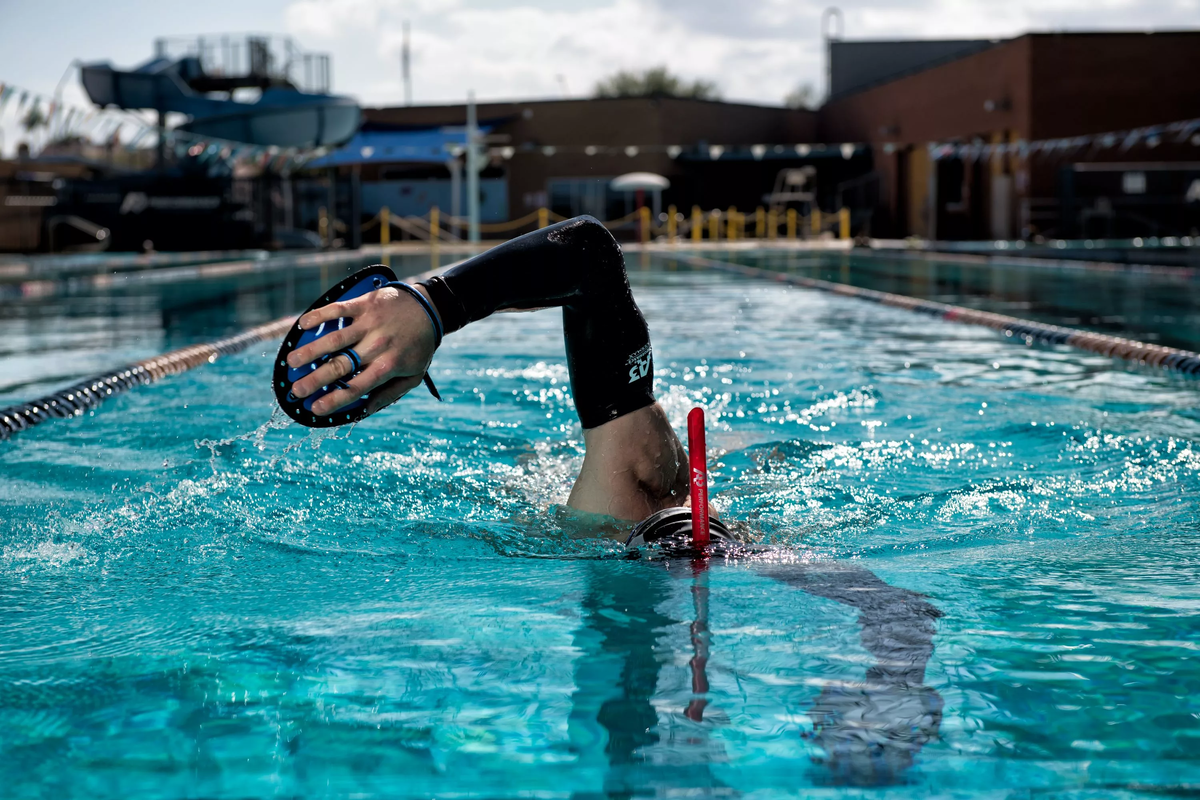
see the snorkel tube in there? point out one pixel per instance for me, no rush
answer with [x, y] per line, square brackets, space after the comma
[700, 535]
[698, 478]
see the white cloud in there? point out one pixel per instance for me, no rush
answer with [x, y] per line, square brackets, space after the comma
[517, 48]
[520, 50]
[754, 52]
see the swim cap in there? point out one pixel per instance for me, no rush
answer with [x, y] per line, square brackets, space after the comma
[671, 530]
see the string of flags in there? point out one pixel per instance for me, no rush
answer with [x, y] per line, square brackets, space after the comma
[1150, 136]
[113, 127]
[118, 127]
[714, 152]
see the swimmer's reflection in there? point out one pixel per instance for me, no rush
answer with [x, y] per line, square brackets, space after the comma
[869, 733]
[615, 726]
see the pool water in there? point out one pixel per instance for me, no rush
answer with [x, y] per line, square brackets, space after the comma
[60, 329]
[1152, 304]
[981, 579]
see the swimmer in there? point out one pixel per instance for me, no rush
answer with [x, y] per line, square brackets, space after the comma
[635, 468]
[634, 465]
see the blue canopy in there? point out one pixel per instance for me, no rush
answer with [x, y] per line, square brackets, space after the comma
[426, 146]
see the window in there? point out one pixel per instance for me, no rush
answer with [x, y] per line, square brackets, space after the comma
[1133, 182]
[574, 196]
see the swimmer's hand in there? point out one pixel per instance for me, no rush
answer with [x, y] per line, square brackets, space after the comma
[393, 337]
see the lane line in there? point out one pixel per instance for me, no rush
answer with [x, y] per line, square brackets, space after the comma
[1029, 331]
[89, 393]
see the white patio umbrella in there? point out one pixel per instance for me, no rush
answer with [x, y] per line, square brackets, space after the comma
[632, 181]
[641, 182]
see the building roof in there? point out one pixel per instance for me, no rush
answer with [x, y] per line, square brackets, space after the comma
[857, 65]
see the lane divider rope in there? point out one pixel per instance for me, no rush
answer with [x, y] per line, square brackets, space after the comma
[1184, 361]
[87, 394]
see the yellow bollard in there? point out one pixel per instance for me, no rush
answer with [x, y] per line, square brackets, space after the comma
[385, 226]
[697, 224]
[772, 224]
[543, 217]
[714, 225]
[323, 226]
[671, 225]
[791, 223]
[434, 237]
[760, 223]
[644, 212]
[844, 223]
[731, 220]
[815, 219]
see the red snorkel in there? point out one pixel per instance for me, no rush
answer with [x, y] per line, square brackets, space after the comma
[698, 478]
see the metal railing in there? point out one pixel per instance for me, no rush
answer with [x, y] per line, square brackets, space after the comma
[767, 224]
[272, 58]
[97, 233]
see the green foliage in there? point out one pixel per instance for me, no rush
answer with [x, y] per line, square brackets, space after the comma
[34, 118]
[803, 96]
[655, 82]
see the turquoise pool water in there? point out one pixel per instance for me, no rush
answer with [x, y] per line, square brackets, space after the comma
[1155, 304]
[195, 602]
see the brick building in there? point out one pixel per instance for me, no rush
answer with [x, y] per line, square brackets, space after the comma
[891, 98]
[871, 147]
[563, 154]
[900, 96]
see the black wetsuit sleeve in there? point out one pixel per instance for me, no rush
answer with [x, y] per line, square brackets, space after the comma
[578, 266]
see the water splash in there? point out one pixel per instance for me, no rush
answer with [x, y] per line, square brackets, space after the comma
[409, 608]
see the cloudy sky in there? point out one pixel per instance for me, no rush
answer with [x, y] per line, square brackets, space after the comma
[755, 51]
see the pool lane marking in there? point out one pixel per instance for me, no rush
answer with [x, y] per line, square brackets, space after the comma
[1016, 259]
[1184, 361]
[90, 392]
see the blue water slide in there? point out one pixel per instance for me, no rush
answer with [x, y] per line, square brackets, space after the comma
[280, 116]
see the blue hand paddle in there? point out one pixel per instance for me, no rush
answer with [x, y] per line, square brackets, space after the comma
[358, 284]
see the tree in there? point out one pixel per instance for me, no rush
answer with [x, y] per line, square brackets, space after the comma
[655, 82]
[34, 118]
[803, 96]
[34, 121]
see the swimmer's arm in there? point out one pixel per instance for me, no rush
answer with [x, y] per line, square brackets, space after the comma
[543, 269]
[394, 338]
